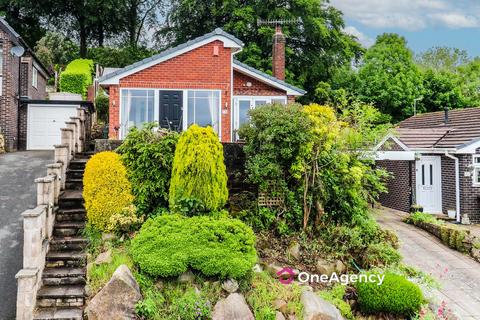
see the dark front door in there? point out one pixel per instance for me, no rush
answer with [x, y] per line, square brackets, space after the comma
[171, 106]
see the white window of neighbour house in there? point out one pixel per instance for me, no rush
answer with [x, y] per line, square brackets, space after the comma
[34, 77]
[476, 170]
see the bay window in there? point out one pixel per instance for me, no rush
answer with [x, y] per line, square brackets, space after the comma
[137, 109]
[203, 109]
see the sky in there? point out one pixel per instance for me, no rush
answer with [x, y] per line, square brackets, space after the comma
[424, 23]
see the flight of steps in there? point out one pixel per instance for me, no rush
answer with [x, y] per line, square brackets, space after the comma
[62, 295]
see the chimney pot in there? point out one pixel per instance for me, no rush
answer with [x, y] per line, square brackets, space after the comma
[446, 115]
[278, 54]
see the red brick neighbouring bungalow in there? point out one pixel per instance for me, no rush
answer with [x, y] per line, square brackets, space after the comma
[210, 67]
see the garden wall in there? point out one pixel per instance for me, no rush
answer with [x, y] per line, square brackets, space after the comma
[399, 195]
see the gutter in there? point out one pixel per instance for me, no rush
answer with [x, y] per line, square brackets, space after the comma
[457, 185]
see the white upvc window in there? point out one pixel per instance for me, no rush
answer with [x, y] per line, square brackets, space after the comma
[34, 77]
[243, 104]
[203, 109]
[476, 170]
[137, 108]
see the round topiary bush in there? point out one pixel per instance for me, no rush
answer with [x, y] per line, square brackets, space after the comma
[106, 189]
[198, 173]
[396, 295]
[168, 245]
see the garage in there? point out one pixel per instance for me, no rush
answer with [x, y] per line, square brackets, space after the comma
[44, 122]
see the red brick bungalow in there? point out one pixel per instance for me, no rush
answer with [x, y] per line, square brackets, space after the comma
[435, 162]
[196, 82]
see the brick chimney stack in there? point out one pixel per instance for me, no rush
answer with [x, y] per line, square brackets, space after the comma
[278, 54]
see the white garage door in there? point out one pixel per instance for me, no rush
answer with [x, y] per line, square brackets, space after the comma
[44, 124]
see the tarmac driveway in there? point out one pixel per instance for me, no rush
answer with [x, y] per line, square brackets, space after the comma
[17, 193]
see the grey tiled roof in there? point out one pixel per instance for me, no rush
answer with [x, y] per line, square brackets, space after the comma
[269, 77]
[429, 129]
[162, 54]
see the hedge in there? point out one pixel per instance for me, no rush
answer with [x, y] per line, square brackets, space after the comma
[77, 77]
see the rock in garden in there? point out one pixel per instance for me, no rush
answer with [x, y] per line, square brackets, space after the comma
[294, 250]
[325, 267]
[104, 257]
[117, 298]
[108, 237]
[257, 268]
[234, 307]
[186, 277]
[279, 316]
[280, 305]
[340, 267]
[230, 285]
[315, 308]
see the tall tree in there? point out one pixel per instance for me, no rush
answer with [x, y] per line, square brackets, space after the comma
[55, 50]
[389, 78]
[316, 44]
[139, 14]
[441, 90]
[442, 59]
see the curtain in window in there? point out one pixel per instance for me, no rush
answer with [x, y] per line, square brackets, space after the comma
[203, 109]
[137, 108]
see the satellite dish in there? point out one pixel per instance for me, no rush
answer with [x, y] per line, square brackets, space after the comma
[17, 51]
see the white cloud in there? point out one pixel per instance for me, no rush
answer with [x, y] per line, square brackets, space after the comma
[411, 15]
[365, 40]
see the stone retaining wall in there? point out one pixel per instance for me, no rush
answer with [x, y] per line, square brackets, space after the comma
[38, 222]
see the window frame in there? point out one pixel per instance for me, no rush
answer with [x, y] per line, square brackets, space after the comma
[186, 92]
[34, 77]
[475, 170]
[123, 130]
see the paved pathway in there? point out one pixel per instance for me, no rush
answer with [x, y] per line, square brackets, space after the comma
[458, 274]
[17, 193]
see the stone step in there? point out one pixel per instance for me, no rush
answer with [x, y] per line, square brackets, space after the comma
[71, 199]
[66, 215]
[68, 244]
[68, 229]
[64, 276]
[59, 314]
[74, 184]
[75, 173]
[61, 296]
[78, 164]
[72, 259]
[84, 155]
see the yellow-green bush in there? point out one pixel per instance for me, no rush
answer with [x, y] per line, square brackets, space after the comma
[199, 178]
[106, 189]
[77, 76]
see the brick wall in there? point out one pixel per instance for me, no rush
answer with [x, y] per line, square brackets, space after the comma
[448, 184]
[398, 186]
[196, 69]
[8, 99]
[257, 88]
[38, 92]
[469, 194]
[114, 112]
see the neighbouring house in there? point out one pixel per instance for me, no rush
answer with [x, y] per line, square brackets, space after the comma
[434, 159]
[196, 82]
[22, 77]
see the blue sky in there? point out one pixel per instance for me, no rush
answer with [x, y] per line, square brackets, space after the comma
[424, 23]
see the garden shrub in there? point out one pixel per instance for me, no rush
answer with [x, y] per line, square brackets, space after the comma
[168, 245]
[77, 76]
[125, 221]
[335, 296]
[106, 189]
[199, 171]
[101, 106]
[417, 217]
[148, 156]
[380, 254]
[265, 290]
[396, 295]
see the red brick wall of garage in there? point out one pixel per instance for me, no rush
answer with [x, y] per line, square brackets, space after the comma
[196, 69]
[398, 185]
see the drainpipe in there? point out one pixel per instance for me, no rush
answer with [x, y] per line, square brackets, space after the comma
[457, 185]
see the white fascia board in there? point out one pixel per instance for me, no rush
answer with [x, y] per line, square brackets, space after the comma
[394, 138]
[470, 147]
[227, 43]
[289, 91]
[395, 155]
